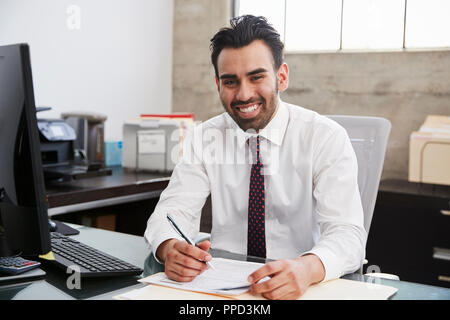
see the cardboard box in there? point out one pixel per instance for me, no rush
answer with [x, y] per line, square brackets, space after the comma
[429, 152]
[436, 124]
[106, 221]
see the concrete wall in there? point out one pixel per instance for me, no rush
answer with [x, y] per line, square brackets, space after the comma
[195, 23]
[401, 86]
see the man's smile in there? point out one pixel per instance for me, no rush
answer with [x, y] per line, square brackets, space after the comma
[249, 110]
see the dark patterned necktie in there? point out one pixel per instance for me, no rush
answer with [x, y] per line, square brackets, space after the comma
[256, 235]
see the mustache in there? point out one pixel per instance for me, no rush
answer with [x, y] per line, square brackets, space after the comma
[240, 102]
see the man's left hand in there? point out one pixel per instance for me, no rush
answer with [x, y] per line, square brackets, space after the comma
[289, 278]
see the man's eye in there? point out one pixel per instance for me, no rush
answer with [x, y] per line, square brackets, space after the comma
[254, 78]
[229, 82]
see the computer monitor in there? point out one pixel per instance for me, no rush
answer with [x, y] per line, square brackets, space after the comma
[24, 225]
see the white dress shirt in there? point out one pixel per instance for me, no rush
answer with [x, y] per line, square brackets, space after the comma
[312, 204]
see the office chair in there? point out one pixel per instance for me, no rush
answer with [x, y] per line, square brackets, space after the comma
[369, 136]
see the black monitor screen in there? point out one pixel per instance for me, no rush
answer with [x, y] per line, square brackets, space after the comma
[24, 225]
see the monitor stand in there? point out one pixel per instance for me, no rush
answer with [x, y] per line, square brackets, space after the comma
[63, 228]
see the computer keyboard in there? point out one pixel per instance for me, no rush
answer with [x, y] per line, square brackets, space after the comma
[90, 262]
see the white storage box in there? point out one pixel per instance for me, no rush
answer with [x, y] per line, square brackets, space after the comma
[151, 144]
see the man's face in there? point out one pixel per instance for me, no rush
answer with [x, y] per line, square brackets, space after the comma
[248, 85]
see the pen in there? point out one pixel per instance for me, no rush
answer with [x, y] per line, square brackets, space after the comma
[185, 237]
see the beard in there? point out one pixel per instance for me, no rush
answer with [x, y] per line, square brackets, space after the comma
[268, 108]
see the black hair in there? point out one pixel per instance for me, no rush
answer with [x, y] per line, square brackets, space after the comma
[242, 31]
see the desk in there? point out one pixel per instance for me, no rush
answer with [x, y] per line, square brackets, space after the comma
[133, 195]
[126, 197]
[133, 249]
[407, 226]
[121, 187]
[129, 248]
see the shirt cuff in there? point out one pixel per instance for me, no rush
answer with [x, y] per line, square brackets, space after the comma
[330, 262]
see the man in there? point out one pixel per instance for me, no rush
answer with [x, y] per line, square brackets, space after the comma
[298, 201]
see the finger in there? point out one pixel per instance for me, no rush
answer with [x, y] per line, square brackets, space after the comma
[185, 260]
[280, 293]
[267, 270]
[204, 245]
[184, 271]
[192, 251]
[269, 285]
[171, 274]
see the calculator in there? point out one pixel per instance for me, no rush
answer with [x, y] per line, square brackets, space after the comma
[16, 265]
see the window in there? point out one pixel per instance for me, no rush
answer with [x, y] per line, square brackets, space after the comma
[428, 23]
[313, 25]
[318, 25]
[373, 24]
[272, 10]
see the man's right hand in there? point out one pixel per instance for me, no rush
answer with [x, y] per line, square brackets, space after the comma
[183, 262]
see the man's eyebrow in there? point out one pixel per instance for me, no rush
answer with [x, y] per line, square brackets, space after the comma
[228, 76]
[233, 76]
[256, 71]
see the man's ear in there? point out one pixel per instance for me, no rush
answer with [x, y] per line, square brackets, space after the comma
[283, 77]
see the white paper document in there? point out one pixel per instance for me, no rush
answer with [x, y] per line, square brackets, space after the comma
[338, 289]
[230, 277]
[230, 280]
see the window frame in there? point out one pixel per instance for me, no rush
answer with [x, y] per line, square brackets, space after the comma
[235, 12]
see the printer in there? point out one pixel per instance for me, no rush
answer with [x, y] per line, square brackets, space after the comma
[56, 138]
[60, 160]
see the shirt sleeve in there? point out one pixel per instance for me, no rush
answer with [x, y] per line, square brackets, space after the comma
[183, 198]
[341, 246]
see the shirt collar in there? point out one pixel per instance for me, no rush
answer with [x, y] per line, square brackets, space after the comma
[274, 130]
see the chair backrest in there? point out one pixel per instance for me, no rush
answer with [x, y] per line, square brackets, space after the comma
[369, 136]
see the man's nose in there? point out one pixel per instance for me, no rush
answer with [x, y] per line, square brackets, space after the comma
[245, 92]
